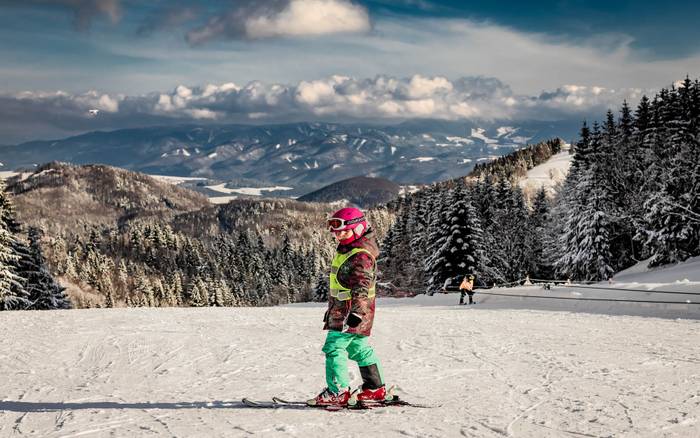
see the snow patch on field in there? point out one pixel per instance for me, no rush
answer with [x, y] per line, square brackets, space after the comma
[221, 199]
[175, 180]
[505, 130]
[479, 133]
[250, 191]
[460, 140]
[409, 189]
[489, 158]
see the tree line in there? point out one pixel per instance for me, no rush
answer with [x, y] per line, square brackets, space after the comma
[632, 194]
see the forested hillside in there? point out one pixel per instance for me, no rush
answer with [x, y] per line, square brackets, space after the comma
[119, 238]
[632, 194]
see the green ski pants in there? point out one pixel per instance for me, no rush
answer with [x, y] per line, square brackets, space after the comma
[338, 348]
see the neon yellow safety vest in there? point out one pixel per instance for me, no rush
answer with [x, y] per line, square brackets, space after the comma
[339, 291]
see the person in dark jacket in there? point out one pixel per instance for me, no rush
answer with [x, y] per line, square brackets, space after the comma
[350, 314]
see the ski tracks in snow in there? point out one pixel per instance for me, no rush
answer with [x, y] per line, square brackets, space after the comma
[494, 373]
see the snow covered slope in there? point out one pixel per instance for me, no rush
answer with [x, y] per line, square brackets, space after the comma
[492, 371]
[547, 174]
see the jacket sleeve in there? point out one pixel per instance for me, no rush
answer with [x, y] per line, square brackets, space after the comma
[361, 276]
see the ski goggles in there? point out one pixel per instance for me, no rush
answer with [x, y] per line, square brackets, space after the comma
[337, 224]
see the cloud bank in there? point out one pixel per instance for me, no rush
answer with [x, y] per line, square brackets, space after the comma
[335, 98]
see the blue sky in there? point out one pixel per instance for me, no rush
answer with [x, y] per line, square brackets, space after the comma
[125, 54]
[659, 29]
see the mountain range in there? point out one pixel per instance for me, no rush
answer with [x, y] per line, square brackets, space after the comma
[302, 157]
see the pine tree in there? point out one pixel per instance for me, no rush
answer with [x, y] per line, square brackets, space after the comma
[539, 226]
[586, 242]
[199, 293]
[177, 291]
[8, 216]
[108, 290]
[123, 273]
[487, 202]
[460, 252]
[322, 286]
[670, 227]
[42, 289]
[12, 293]
[144, 290]
[159, 293]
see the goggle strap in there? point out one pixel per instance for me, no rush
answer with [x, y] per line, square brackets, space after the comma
[354, 221]
[344, 222]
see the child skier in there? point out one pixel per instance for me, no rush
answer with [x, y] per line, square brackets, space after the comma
[351, 312]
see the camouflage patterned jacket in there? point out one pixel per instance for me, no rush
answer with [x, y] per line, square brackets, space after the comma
[357, 273]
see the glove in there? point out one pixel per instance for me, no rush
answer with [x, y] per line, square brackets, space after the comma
[353, 320]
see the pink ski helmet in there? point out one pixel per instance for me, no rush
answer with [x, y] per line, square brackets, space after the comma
[348, 218]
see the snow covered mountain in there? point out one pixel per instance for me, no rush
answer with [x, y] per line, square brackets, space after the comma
[306, 156]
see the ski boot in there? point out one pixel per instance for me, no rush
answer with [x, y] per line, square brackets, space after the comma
[330, 398]
[371, 395]
[372, 389]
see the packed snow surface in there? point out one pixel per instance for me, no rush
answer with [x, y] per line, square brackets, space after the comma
[499, 368]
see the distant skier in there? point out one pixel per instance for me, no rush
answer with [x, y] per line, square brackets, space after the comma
[350, 313]
[467, 287]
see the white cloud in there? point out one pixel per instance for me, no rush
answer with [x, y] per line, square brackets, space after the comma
[284, 18]
[315, 93]
[421, 87]
[203, 114]
[310, 17]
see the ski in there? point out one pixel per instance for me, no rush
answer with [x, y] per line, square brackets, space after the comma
[287, 402]
[282, 402]
[354, 404]
[277, 403]
[360, 405]
[259, 404]
[397, 401]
